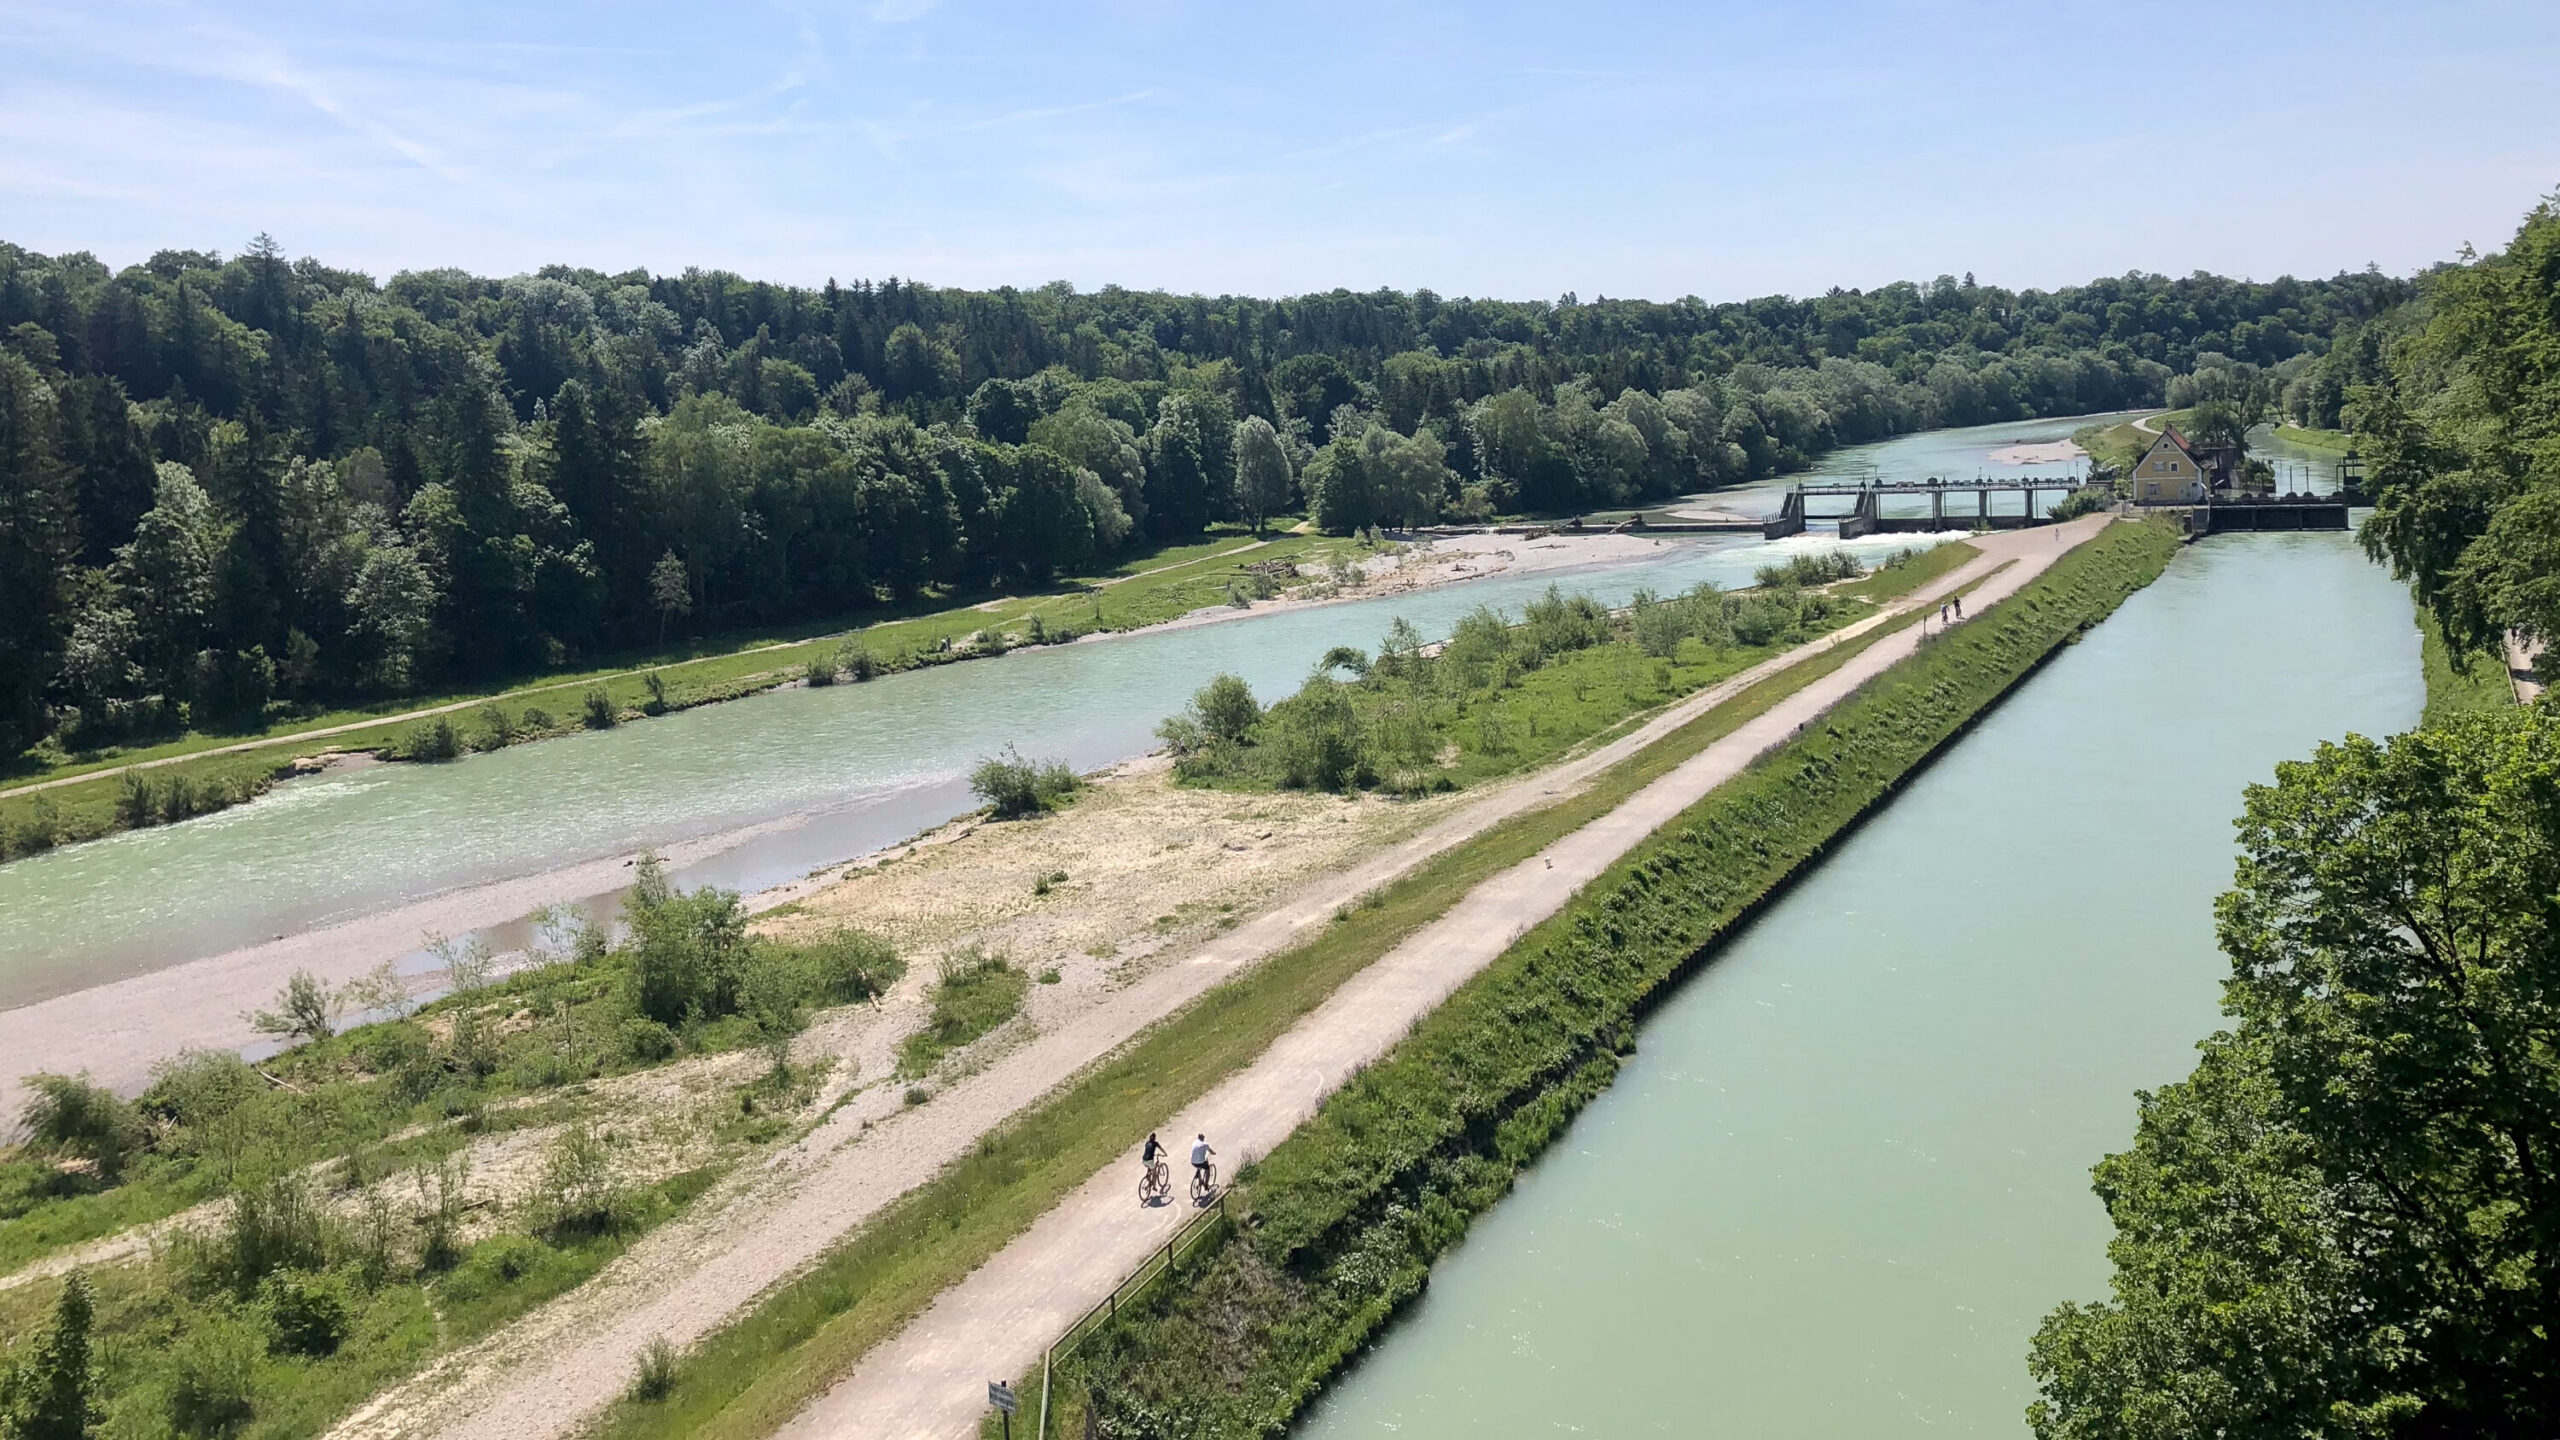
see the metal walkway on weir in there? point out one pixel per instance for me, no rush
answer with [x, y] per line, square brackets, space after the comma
[1867, 516]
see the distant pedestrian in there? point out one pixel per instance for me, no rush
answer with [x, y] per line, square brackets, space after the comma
[1942, 617]
[1959, 607]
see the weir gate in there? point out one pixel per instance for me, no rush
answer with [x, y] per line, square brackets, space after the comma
[1866, 513]
[1866, 516]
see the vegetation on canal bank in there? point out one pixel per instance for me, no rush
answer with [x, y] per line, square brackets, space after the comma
[755, 1372]
[346, 1239]
[2480, 682]
[1342, 1221]
[2344, 1222]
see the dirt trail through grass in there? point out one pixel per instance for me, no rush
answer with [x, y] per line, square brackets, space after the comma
[547, 1374]
[930, 1379]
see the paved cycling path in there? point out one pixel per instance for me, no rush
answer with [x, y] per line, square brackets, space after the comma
[930, 1380]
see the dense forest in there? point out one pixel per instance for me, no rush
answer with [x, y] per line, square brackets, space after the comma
[229, 485]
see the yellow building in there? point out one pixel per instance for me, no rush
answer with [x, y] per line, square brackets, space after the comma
[2169, 473]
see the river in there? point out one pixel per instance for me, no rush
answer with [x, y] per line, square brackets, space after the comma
[773, 786]
[1846, 1173]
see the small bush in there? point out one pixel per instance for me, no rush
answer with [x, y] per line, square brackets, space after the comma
[578, 1193]
[212, 1377]
[599, 712]
[537, 719]
[656, 685]
[195, 1088]
[857, 662]
[270, 1227]
[653, 1376]
[1014, 787]
[134, 806]
[431, 741]
[645, 1040]
[66, 1115]
[308, 1312]
[497, 728]
[818, 673]
[850, 966]
[304, 1010]
[493, 1265]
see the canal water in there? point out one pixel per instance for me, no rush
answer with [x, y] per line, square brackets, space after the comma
[1846, 1173]
[819, 775]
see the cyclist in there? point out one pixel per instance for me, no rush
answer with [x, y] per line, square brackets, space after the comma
[1148, 1157]
[1200, 1171]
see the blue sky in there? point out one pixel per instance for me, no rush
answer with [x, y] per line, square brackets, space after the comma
[1516, 150]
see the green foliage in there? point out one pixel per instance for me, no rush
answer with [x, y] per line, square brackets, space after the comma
[2455, 402]
[653, 1376]
[1818, 568]
[974, 992]
[305, 1009]
[597, 711]
[212, 1377]
[50, 1393]
[1497, 697]
[432, 740]
[2341, 1222]
[493, 477]
[307, 1311]
[1349, 1213]
[1014, 788]
[66, 1115]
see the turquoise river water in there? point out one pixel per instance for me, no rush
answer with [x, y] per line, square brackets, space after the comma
[827, 773]
[1847, 1171]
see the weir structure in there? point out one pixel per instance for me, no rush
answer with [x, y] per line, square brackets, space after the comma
[1866, 516]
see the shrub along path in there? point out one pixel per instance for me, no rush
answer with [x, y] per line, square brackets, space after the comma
[547, 1374]
[930, 1380]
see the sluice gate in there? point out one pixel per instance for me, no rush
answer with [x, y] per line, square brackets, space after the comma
[1866, 515]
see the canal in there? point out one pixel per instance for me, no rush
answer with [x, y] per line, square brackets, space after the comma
[1846, 1173]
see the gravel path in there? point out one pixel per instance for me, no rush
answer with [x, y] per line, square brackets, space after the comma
[549, 1372]
[930, 1381]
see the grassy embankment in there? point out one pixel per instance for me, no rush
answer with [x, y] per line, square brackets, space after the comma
[350, 1248]
[2481, 684]
[1344, 1219]
[1183, 579]
[758, 1370]
[2116, 446]
[2303, 435]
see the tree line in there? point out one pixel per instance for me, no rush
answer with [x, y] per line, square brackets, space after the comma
[232, 484]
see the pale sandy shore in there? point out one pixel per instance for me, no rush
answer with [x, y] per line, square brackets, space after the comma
[2050, 452]
[117, 1031]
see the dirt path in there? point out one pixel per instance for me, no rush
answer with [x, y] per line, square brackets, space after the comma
[543, 1376]
[930, 1381]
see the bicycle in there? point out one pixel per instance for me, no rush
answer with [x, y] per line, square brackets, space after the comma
[1156, 1186]
[1204, 1183]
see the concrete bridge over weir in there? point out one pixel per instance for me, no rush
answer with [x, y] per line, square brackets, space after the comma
[1866, 514]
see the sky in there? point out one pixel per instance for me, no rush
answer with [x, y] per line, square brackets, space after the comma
[1512, 150]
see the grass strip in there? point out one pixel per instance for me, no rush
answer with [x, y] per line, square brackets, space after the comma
[751, 1375]
[1342, 1221]
[2480, 684]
